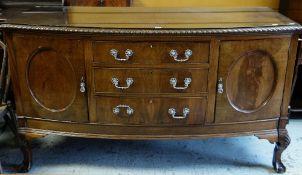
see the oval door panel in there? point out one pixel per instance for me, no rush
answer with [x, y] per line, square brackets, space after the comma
[251, 81]
[50, 75]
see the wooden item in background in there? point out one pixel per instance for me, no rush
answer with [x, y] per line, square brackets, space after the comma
[274, 4]
[105, 3]
[293, 9]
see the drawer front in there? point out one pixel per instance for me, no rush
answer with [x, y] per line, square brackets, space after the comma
[150, 111]
[150, 53]
[139, 80]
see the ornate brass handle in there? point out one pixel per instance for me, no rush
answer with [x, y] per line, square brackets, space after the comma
[115, 82]
[82, 85]
[220, 86]
[185, 113]
[128, 53]
[116, 110]
[187, 82]
[174, 55]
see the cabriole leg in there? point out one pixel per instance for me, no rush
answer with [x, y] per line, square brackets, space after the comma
[27, 157]
[281, 145]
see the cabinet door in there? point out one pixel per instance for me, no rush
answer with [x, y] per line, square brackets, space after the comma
[252, 74]
[48, 75]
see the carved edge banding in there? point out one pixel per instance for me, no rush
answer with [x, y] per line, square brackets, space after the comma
[281, 145]
[180, 31]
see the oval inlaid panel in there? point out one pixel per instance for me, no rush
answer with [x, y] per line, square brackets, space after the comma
[49, 76]
[251, 81]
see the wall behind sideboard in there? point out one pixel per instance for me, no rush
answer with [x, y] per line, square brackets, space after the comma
[206, 3]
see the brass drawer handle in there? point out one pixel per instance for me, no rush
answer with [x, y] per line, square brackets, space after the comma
[116, 110]
[115, 82]
[174, 55]
[185, 113]
[187, 82]
[82, 85]
[128, 53]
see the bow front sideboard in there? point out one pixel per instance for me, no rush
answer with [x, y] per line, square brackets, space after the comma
[145, 73]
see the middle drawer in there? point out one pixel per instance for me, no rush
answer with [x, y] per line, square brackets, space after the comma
[142, 80]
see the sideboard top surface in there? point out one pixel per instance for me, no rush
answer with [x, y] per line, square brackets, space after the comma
[148, 20]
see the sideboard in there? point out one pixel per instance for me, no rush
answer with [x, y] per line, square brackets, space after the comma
[152, 73]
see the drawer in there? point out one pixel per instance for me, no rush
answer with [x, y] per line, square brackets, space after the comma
[150, 53]
[148, 111]
[140, 80]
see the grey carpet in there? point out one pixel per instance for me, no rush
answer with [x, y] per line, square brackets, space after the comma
[227, 156]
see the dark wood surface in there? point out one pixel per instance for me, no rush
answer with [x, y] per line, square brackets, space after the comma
[293, 9]
[29, 3]
[50, 68]
[144, 78]
[106, 3]
[150, 52]
[256, 69]
[151, 110]
[255, 79]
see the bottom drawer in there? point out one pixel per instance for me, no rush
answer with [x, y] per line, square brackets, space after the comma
[151, 111]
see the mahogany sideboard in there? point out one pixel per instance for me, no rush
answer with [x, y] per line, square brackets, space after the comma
[146, 73]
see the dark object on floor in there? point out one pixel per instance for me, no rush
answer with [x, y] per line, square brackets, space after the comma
[8, 114]
[10, 119]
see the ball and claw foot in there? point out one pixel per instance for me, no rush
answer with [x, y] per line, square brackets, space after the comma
[281, 145]
[278, 165]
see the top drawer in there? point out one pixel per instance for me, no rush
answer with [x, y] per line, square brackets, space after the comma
[150, 52]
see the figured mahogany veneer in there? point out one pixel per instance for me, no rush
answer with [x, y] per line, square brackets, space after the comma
[145, 107]
[67, 66]
[164, 74]
[146, 80]
[150, 52]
